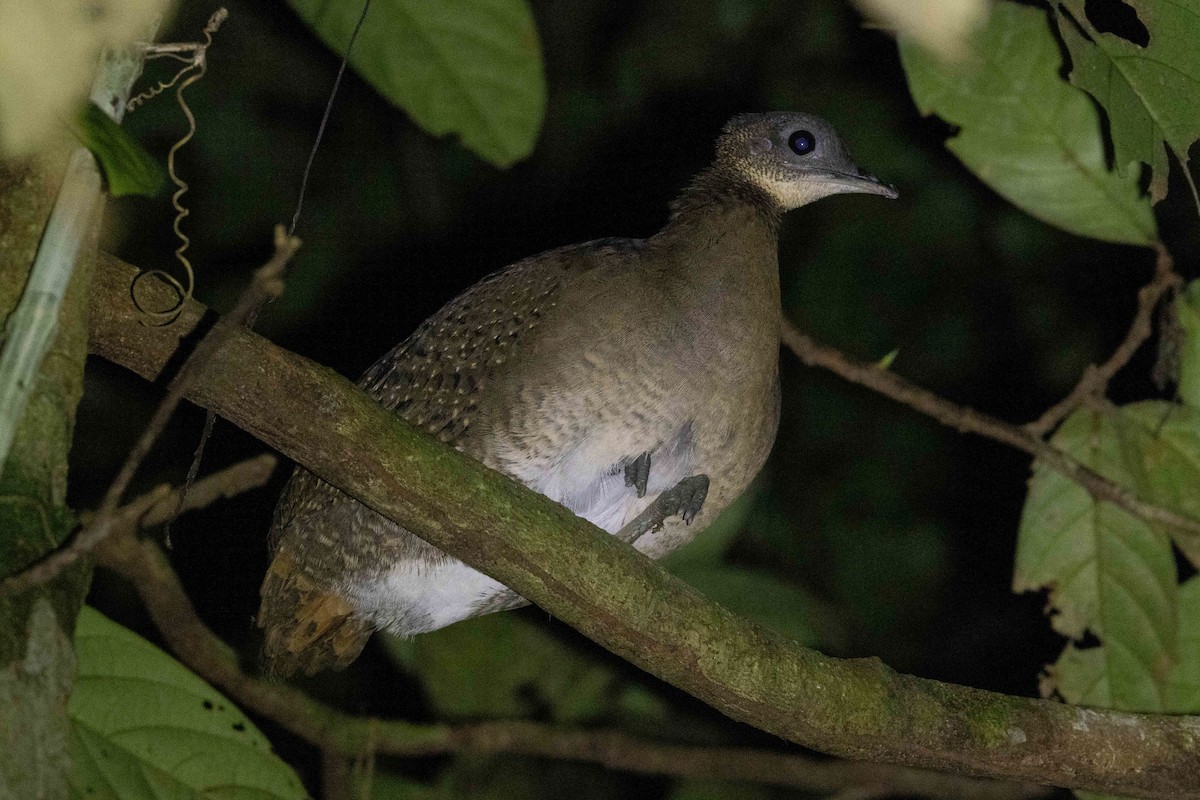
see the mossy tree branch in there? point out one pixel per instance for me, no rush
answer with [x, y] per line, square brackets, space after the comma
[858, 709]
[37, 663]
[343, 736]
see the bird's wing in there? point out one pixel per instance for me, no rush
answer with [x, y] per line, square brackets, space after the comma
[433, 378]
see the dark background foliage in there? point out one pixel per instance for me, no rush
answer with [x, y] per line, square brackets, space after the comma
[880, 532]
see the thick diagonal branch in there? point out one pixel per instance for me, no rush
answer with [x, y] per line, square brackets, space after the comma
[618, 598]
[340, 736]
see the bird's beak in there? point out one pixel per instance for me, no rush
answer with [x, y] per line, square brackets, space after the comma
[860, 183]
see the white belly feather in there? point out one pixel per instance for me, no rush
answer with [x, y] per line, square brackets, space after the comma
[415, 597]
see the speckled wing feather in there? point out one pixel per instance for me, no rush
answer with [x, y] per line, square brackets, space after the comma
[433, 380]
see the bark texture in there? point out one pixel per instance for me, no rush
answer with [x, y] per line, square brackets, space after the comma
[37, 663]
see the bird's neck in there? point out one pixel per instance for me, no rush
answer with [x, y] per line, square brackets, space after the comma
[723, 237]
[718, 258]
[720, 188]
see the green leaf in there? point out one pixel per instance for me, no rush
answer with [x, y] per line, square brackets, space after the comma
[1149, 93]
[1184, 690]
[1162, 444]
[1105, 570]
[128, 168]
[695, 789]
[1187, 313]
[144, 726]
[471, 67]
[1028, 134]
[383, 785]
[505, 665]
[710, 548]
[762, 598]
[1080, 677]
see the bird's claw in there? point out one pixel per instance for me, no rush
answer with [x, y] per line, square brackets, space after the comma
[637, 473]
[685, 499]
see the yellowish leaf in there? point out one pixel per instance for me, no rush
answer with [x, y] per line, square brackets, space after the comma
[942, 26]
[48, 57]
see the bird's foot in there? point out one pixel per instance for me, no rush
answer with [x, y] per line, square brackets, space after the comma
[685, 499]
[637, 472]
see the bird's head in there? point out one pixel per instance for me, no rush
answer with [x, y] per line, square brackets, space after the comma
[794, 158]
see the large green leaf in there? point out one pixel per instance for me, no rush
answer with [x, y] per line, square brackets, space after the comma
[708, 549]
[1080, 675]
[764, 599]
[1183, 339]
[1107, 572]
[144, 726]
[1184, 692]
[1025, 132]
[1162, 445]
[1149, 93]
[468, 67]
[505, 665]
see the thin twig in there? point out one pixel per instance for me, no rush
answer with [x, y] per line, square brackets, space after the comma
[968, 420]
[161, 503]
[1095, 378]
[265, 283]
[335, 776]
[341, 737]
[210, 418]
[153, 508]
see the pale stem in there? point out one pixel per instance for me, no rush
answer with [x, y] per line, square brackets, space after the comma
[33, 324]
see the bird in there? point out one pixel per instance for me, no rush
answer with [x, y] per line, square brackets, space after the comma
[634, 381]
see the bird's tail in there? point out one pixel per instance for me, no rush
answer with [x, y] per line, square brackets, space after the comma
[307, 627]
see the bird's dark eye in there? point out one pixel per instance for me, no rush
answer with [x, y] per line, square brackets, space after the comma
[802, 143]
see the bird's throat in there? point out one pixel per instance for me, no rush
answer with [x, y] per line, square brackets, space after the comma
[719, 251]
